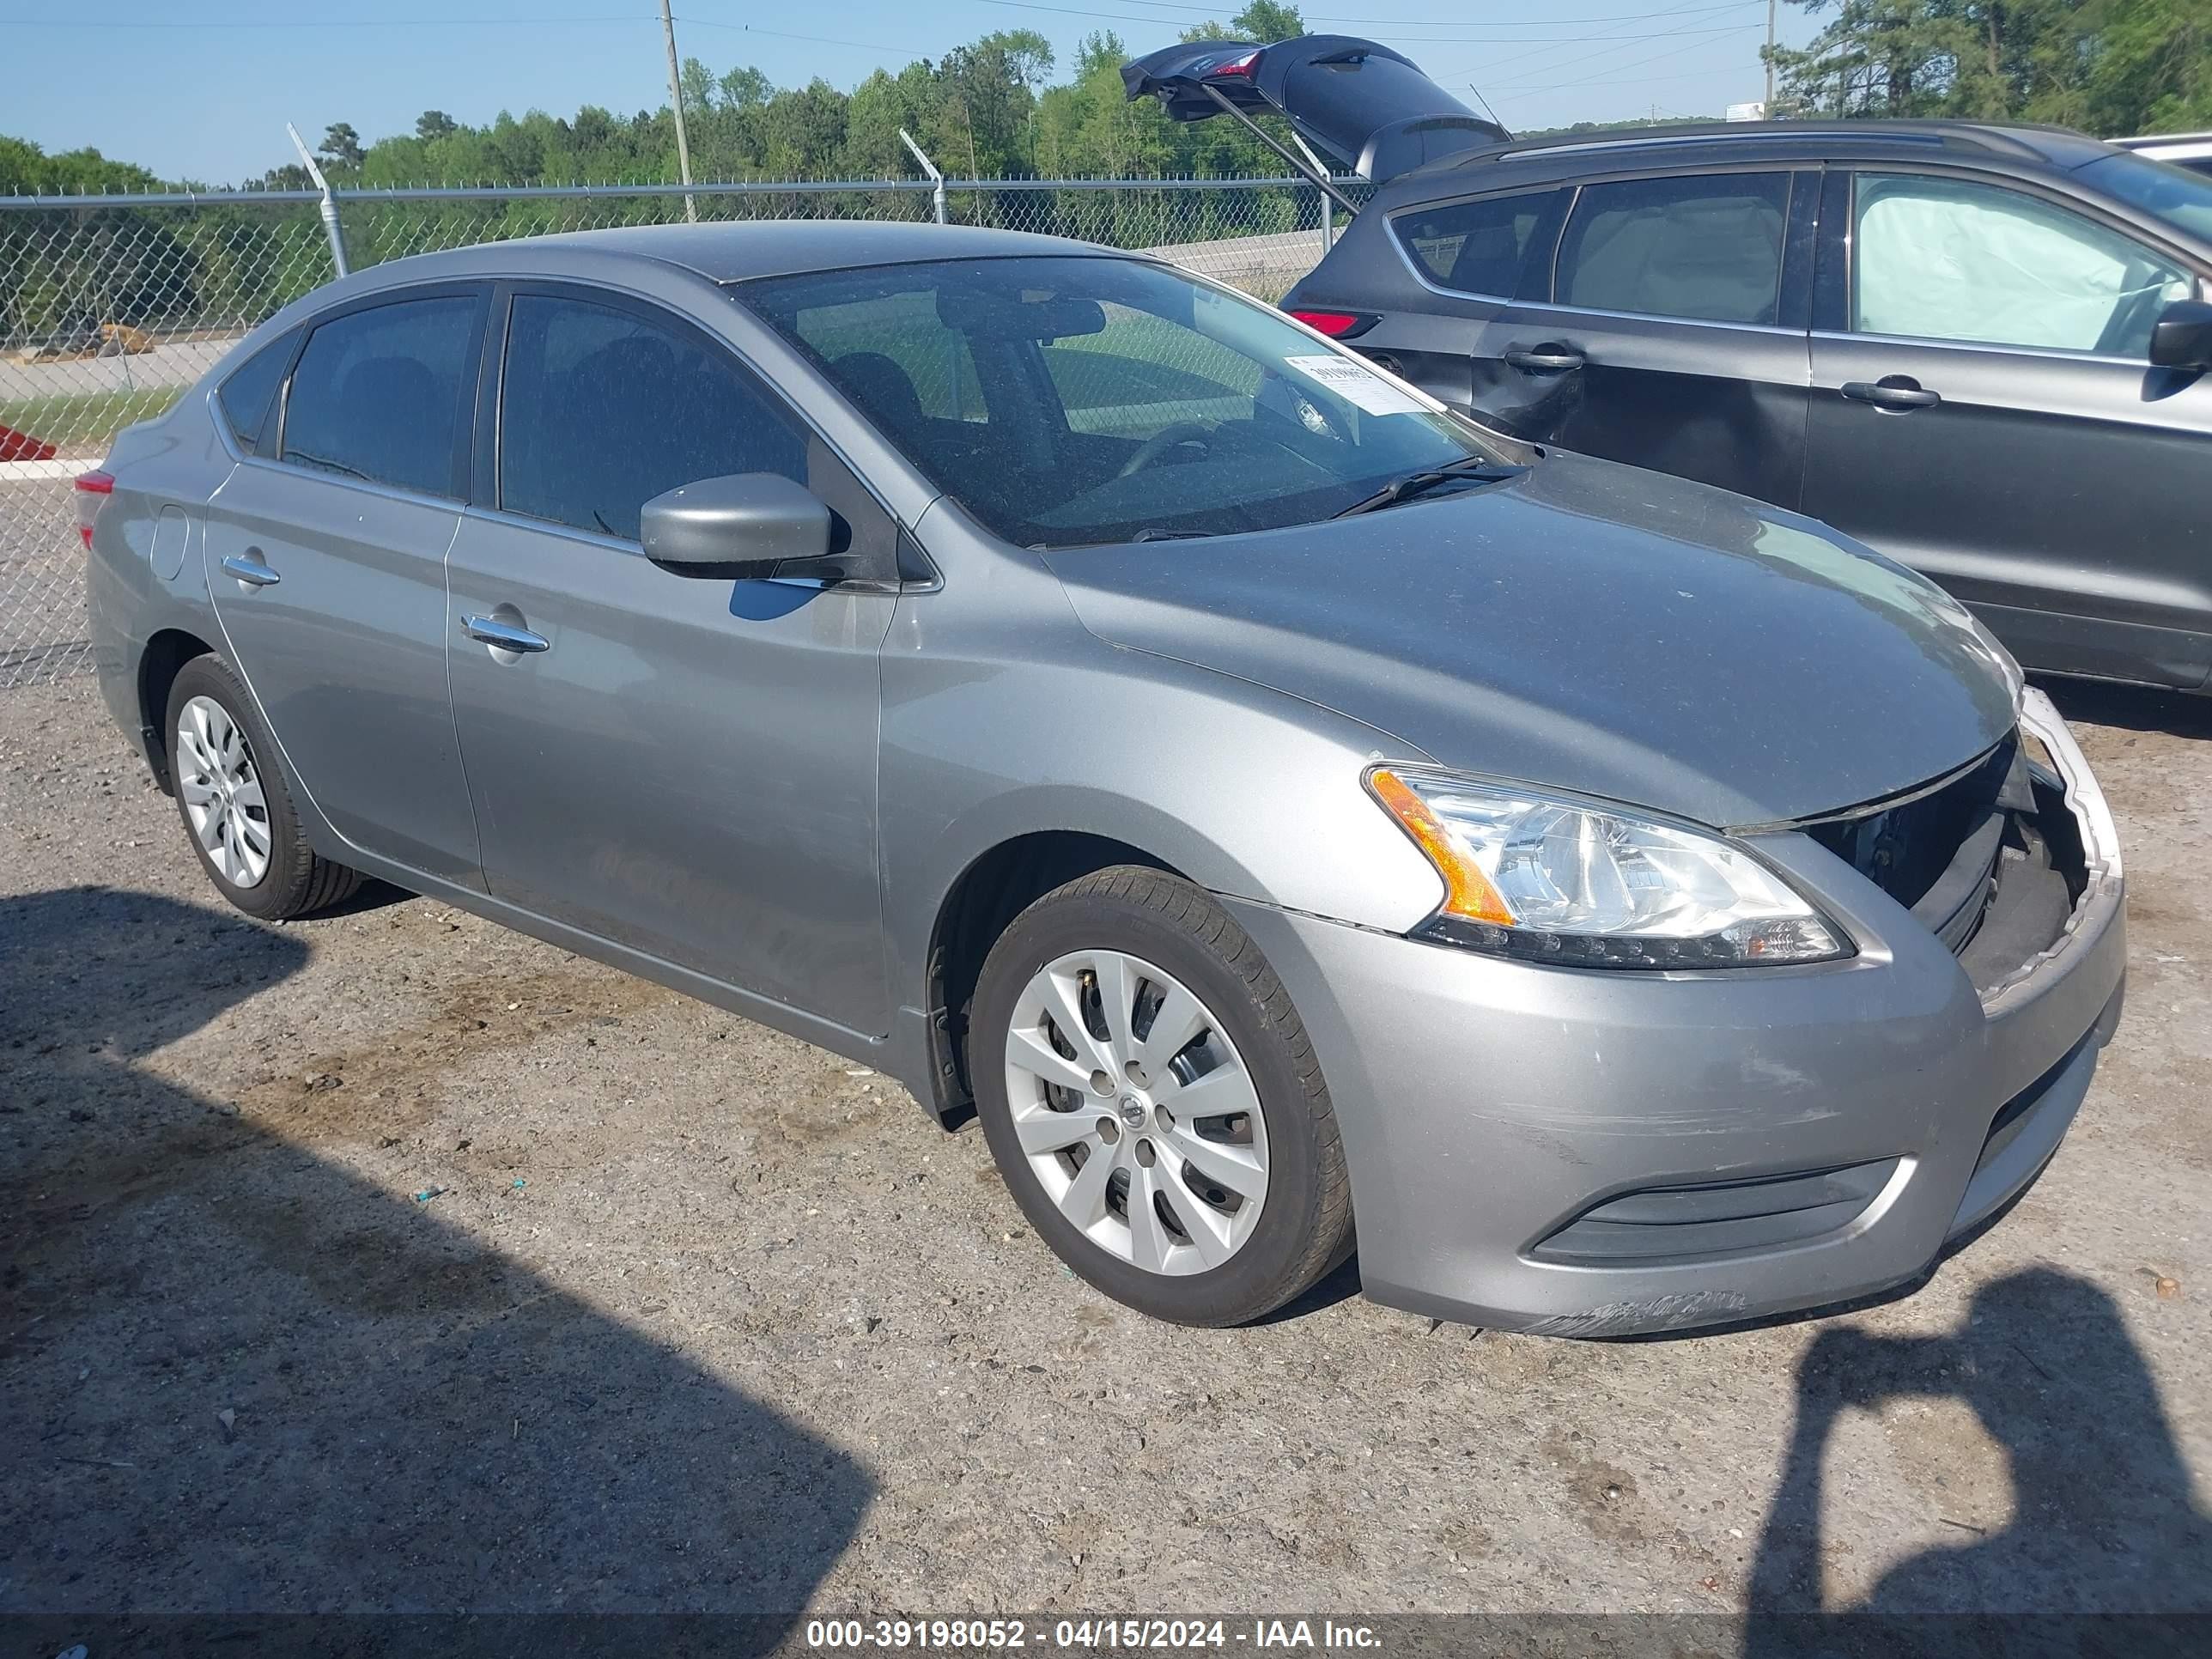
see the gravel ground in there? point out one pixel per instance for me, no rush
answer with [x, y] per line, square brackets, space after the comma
[396, 1262]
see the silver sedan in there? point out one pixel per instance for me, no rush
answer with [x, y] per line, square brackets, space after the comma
[1119, 713]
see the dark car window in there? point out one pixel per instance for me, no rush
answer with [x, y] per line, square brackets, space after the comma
[2178, 192]
[246, 394]
[601, 410]
[1943, 258]
[1500, 246]
[377, 393]
[1118, 396]
[1708, 246]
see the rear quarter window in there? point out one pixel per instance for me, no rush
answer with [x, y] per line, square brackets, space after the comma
[246, 393]
[1500, 246]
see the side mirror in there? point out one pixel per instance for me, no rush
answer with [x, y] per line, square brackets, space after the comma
[746, 525]
[2182, 338]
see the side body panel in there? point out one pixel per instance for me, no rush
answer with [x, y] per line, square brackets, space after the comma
[345, 652]
[687, 769]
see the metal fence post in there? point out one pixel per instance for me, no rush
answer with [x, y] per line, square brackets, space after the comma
[936, 179]
[329, 208]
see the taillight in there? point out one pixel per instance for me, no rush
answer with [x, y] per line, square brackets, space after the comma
[1337, 325]
[1240, 68]
[93, 489]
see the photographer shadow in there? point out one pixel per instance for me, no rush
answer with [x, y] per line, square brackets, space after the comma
[2106, 1551]
[257, 1403]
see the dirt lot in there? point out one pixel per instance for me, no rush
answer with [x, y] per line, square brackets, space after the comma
[396, 1262]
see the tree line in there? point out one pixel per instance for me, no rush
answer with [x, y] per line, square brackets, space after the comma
[990, 109]
[2108, 67]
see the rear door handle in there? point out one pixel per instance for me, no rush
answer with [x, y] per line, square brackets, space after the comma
[504, 636]
[1549, 358]
[1897, 392]
[248, 568]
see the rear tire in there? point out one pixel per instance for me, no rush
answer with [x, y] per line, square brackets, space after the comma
[235, 798]
[1197, 1178]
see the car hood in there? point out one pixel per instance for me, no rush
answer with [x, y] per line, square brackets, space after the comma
[1590, 627]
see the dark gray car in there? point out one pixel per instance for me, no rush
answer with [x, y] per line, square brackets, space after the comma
[1980, 349]
[1106, 705]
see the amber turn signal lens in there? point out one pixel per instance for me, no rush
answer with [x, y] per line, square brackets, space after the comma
[1468, 891]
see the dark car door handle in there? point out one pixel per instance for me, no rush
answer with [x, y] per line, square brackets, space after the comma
[248, 568]
[504, 636]
[1549, 358]
[1891, 391]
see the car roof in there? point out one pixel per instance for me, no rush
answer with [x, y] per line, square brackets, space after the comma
[736, 252]
[1692, 143]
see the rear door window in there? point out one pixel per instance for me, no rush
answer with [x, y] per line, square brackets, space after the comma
[602, 409]
[1707, 246]
[378, 393]
[1499, 247]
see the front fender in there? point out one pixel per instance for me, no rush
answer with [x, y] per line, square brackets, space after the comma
[1249, 792]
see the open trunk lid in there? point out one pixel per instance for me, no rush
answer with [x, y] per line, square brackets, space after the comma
[1364, 106]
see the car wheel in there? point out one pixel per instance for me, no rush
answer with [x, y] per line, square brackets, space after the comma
[1153, 1102]
[235, 798]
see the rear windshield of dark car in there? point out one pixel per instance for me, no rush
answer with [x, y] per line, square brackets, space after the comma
[1073, 400]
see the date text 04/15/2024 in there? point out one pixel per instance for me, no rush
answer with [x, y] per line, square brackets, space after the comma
[1121, 1634]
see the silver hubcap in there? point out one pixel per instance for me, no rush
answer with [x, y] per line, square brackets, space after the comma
[221, 790]
[1136, 1112]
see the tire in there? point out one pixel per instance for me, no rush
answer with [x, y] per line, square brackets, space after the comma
[1154, 939]
[210, 772]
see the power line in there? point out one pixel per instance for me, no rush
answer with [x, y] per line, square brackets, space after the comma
[1412, 40]
[1202, 15]
[78, 22]
[1608, 78]
[1490, 65]
[812, 40]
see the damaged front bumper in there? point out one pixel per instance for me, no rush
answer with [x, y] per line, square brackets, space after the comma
[1589, 1153]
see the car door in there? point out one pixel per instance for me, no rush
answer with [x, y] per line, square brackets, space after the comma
[1984, 411]
[326, 553]
[681, 765]
[1664, 324]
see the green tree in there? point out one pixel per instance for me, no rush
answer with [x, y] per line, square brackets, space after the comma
[341, 146]
[435, 123]
[1264, 21]
[2112, 67]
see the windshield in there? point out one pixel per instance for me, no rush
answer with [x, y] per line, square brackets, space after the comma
[1071, 400]
[2175, 194]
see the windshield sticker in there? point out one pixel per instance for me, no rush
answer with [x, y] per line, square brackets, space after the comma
[1357, 383]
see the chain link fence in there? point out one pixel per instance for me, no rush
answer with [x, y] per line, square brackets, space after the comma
[110, 307]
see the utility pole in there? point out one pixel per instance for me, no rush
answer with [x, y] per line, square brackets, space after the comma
[676, 102]
[1767, 109]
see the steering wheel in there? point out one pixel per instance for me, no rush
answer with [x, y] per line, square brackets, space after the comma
[1167, 438]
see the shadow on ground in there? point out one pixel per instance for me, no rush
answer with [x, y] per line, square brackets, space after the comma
[2106, 1551]
[420, 1426]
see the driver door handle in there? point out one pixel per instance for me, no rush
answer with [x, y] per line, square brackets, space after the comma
[504, 636]
[1549, 358]
[1897, 391]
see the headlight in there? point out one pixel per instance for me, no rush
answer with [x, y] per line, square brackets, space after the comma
[1556, 880]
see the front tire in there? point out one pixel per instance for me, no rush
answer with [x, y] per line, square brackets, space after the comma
[1151, 1099]
[235, 798]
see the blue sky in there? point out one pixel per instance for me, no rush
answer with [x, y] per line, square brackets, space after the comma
[202, 88]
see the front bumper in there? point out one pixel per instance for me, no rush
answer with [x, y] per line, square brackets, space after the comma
[1487, 1106]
